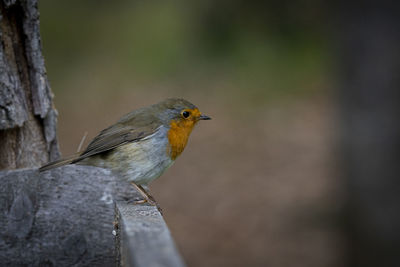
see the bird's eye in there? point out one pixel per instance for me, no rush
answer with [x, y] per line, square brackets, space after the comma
[185, 114]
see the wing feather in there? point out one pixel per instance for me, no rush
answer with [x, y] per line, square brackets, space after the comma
[117, 135]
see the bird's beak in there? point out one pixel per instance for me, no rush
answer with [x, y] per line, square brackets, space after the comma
[204, 117]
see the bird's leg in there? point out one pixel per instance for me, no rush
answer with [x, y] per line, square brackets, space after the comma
[149, 196]
[146, 197]
[151, 200]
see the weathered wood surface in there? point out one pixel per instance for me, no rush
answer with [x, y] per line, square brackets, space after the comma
[67, 217]
[27, 116]
[143, 238]
[62, 217]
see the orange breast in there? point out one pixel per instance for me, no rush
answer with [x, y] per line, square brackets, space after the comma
[178, 136]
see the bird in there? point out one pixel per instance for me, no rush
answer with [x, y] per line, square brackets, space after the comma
[142, 144]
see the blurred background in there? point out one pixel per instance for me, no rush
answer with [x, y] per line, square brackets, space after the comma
[259, 185]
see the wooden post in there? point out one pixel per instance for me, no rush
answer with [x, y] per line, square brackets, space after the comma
[80, 216]
[369, 39]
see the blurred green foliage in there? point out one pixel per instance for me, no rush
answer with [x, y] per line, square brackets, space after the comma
[257, 50]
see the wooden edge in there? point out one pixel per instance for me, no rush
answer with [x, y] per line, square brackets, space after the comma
[143, 238]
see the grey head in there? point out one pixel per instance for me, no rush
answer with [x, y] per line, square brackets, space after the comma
[173, 108]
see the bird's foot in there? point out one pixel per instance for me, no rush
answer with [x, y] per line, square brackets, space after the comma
[138, 201]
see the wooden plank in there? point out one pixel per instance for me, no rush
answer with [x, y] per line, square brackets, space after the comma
[143, 238]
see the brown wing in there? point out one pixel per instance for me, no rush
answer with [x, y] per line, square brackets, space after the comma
[115, 136]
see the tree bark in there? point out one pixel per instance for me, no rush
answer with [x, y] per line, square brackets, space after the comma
[27, 116]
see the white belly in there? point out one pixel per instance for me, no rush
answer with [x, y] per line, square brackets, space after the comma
[140, 162]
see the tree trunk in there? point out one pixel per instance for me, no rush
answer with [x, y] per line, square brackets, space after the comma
[370, 106]
[27, 116]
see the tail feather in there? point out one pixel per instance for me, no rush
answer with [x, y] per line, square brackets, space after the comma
[58, 163]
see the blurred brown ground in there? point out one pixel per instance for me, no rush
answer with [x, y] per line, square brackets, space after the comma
[255, 191]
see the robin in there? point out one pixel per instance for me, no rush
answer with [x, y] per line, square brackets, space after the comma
[142, 144]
